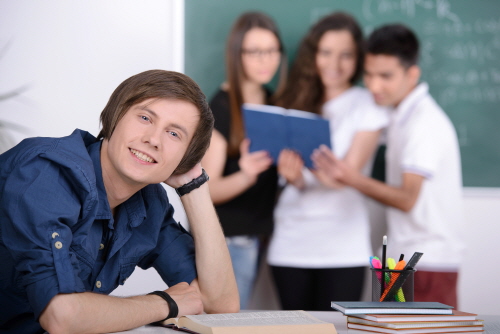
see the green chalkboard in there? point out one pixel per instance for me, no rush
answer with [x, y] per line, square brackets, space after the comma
[460, 57]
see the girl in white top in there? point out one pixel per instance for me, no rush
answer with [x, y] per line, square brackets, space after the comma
[321, 242]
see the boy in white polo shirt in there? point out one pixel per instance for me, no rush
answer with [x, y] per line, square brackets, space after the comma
[424, 182]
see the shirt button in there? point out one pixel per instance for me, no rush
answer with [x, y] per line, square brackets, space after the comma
[54, 235]
[98, 284]
[101, 246]
[58, 244]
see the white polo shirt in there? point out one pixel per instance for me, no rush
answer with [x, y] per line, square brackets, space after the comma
[320, 227]
[422, 140]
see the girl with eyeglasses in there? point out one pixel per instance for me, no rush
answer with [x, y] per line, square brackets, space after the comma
[243, 185]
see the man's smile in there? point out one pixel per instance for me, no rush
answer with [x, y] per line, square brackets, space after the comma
[142, 156]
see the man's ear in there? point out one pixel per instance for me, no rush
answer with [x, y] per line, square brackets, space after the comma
[414, 73]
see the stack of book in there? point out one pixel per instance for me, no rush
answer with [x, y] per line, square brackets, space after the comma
[408, 318]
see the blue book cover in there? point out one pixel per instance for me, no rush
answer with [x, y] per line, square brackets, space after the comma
[273, 129]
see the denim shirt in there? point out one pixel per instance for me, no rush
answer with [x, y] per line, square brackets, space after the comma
[58, 235]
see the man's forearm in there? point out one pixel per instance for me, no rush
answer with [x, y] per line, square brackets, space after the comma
[89, 312]
[398, 198]
[215, 272]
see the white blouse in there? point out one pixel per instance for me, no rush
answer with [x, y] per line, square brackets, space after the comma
[320, 227]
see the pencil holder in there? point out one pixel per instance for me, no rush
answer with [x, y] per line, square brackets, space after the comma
[392, 285]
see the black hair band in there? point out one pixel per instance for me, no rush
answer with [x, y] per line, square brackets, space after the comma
[172, 305]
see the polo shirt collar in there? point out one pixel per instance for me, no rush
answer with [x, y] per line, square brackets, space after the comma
[408, 105]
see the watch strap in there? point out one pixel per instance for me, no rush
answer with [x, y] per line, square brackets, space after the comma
[193, 184]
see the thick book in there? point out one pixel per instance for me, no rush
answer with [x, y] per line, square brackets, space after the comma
[272, 322]
[350, 308]
[415, 324]
[273, 129]
[376, 329]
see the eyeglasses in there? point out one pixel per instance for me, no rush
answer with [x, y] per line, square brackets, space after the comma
[259, 53]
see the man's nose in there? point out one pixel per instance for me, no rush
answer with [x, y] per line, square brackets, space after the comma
[152, 136]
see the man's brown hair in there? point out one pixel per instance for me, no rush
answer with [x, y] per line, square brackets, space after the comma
[161, 85]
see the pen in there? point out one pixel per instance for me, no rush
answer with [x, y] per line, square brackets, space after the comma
[384, 250]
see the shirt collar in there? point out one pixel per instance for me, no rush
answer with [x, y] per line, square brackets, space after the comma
[408, 105]
[134, 206]
[103, 209]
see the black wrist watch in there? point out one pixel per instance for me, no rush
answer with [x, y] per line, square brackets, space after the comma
[193, 184]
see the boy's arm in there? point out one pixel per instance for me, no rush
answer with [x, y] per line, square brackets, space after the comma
[403, 198]
[215, 281]
[89, 312]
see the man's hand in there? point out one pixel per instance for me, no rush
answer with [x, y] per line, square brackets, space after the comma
[290, 166]
[176, 181]
[187, 297]
[254, 163]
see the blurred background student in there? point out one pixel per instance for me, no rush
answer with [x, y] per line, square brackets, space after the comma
[321, 242]
[243, 185]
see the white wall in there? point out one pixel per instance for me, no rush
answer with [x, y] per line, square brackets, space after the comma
[72, 54]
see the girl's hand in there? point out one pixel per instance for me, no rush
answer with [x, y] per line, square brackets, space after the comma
[253, 163]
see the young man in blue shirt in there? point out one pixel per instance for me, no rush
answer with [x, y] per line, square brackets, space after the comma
[78, 214]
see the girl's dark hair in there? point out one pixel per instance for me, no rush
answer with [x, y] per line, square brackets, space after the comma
[394, 40]
[305, 89]
[159, 84]
[235, 73]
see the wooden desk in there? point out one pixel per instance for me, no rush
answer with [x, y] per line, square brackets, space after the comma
[492, 324]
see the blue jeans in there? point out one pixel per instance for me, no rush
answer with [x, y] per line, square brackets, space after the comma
[244, 251]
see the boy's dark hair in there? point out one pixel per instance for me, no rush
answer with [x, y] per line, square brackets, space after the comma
[394, 40]
[161, 84]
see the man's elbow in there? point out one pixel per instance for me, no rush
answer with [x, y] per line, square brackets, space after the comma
[228, 304]
[406, 205]
[59, 315]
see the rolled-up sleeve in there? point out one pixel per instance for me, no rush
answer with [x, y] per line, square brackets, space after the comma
[40, 208]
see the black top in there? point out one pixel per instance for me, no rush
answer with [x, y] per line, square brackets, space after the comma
[251, 213]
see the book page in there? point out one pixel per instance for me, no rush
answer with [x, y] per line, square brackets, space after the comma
[302, 114]
[264, 108]
[255, 319]
[170, 321]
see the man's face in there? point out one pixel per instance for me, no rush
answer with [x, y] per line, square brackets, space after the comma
[388, 80]
[149, 142]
